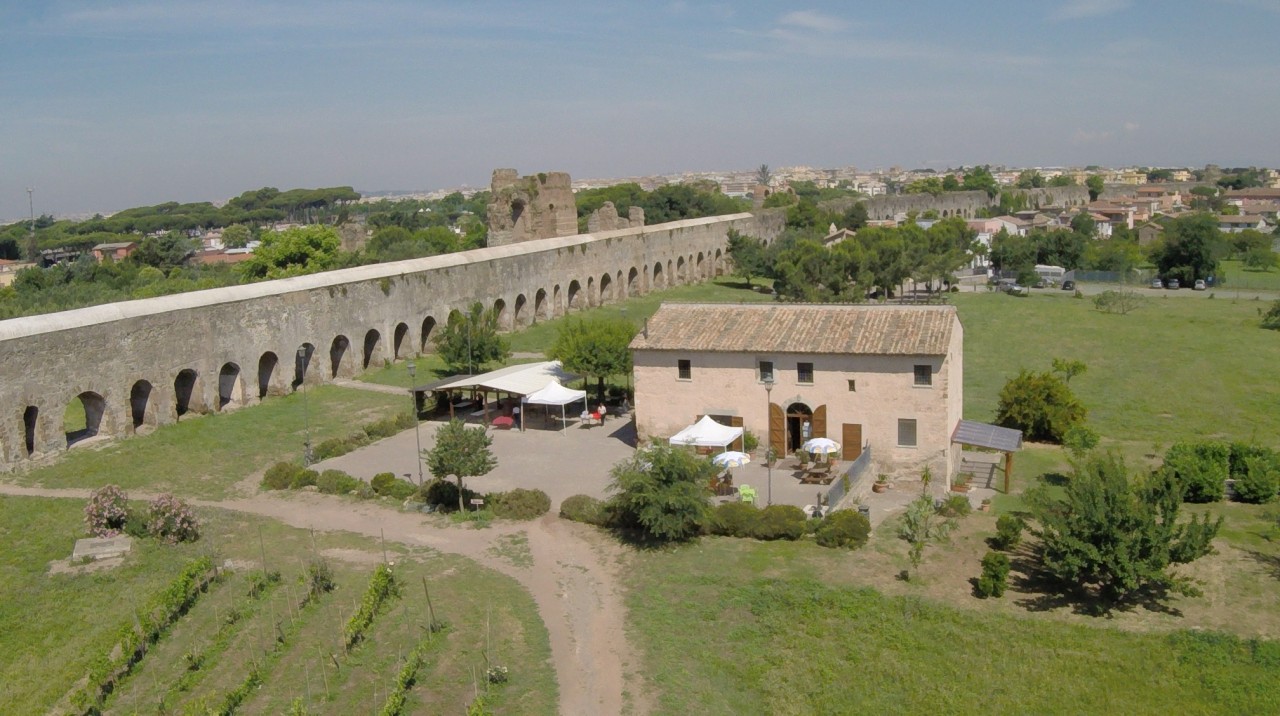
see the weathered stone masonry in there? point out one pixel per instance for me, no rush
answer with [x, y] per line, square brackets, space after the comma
[149, 362]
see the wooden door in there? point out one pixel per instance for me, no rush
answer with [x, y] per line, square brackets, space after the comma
[819, 422]
[735, 421]
[850, 441]
[777, 430]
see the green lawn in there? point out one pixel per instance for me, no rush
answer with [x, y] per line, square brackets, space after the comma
[1237, 276]
[734, 627]
[1177, 368]
[52, 626]
[202, 456]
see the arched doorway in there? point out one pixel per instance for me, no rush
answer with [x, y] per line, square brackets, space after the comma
[139, 402]
[230, 390]
[572, 299]
[700, 269]
[657, 276]
[717, 268]
[83, 417]
[339, 362]
[186, 392]
[681, 275]
[302, 362]
[500, 314]
[593, 298]
[519, 316]
[397, 340]
[606, 289]
[266, 373]
[372, 348]
[557, 302]
[428, 325]
[29, 418]
[540, 305]
[799, 425]
[633, 282]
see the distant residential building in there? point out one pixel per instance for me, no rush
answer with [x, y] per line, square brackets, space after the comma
[1229, 224]
[116, 252]
[9, 270]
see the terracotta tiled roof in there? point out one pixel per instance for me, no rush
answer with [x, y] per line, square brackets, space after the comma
[807, 328]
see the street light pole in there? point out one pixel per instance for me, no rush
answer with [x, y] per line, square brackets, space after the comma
[768, 400]
[417, 439]
[306, 416]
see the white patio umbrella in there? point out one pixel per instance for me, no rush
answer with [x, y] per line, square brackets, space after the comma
[731, 458]
[825, 446]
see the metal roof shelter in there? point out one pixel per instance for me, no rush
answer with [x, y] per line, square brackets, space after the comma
[991, 437]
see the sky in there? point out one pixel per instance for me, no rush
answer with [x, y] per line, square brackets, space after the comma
[110, 104]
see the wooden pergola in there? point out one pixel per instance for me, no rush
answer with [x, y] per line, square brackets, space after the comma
[990, 437]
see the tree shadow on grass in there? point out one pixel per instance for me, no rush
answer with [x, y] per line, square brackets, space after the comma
[1270, 562]
[1056, 479]
[1042, 592]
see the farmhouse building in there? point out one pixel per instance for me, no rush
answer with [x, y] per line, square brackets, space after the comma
[878, 377]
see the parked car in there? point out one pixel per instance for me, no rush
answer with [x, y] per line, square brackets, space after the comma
[1157, 283]
[1173, 284]
[1068, 285]
[1199, 286]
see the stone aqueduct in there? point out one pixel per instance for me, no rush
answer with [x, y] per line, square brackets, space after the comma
[150, 362]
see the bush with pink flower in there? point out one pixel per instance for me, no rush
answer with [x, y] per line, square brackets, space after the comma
[172, 520]
[107, 511]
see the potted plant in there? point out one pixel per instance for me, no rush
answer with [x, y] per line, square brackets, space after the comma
[770, 456]
[986, 505]
[881, 484]
[960, 483]
[803, 458]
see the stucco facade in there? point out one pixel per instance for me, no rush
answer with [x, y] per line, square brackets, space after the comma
[857, 399]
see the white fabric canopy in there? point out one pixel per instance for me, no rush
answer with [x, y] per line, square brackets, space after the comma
[555, 394]
[706, 433]
[520, 379]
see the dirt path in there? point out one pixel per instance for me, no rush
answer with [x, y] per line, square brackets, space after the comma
[573, 579]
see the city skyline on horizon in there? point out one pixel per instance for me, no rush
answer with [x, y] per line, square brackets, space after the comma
[121, 104]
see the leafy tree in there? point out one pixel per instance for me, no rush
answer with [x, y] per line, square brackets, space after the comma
[236, 236]
[1118, 537]
[1068, 368]
[763, 175]
[927, 185]
[1261, 258]
[1191, 248]
[806, 272]
[748, 256]
[779, 199]
[1062, 180]
[163, 252]
[855, 218]
[596, 346]
[1243, 242]
[662, 491]
[294, 252]
[922, 524]
[1029, 179]
[460, 451]
[1156, 176]
[981, 179]
[469, 341]
[1041, 405]
[1095, 186]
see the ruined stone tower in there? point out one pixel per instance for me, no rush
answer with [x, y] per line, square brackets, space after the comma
[533, 207]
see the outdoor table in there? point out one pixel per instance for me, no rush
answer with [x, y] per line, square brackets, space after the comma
[503, 421]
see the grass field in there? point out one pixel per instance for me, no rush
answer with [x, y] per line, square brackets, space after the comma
[738, 628]
[51, 626]
[1239, 277]
[203, 456]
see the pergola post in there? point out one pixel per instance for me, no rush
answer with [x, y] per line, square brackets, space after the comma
[1008, 469]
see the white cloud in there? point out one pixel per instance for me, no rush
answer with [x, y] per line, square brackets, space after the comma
[1131, 126]
[1080, 9]
[1082, 136]
[810, 20]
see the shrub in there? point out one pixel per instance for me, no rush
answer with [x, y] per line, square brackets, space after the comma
[583, 508]
[1201, 469]
[1260, 480]
[995, 575]
[1241, 452]
[780, 522]
[1041, 405]
[107, 511]
[955, 506]
[400, 490]
[735, 519]
[337, 482]
[335, 447]
[319, 578]
[749, 441]
[661, 493]
[1008, 531]
[280, 476]
[172, 520]
[444, 495]
[843, 528]
[520, 504]
[387, 427]
[135, 525]
[1080, 439]
[1272, 318]
[382, 482]
[304, 478]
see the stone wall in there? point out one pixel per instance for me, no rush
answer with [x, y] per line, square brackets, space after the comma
[965, 204]
[143, 363]
[541, 206]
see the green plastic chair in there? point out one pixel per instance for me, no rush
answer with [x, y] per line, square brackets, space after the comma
[747, 494]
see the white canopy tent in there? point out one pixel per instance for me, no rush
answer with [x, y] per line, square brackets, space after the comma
[707, 433]
[554, 394]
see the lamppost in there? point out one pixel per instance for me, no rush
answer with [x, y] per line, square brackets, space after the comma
[417, 439]
[306, 416]
[768, 400]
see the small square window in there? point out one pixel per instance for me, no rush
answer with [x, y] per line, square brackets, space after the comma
[853, 385]
[924, 376]
[684, 369]
[766, 370]
[804, 372]
[906, 432]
